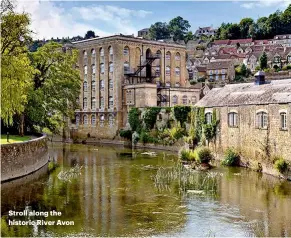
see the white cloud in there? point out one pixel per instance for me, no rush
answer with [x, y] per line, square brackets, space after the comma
[51, 20]
[267, 3]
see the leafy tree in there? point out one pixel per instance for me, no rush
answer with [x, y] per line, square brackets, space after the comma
[245, 25]
[159, 31]
[243, 70]
[189, 36]
[263, 61]
[89, 34]
[178, 28]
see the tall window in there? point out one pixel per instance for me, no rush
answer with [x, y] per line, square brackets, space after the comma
[85, 86]
[168, 56]
[126, 67]
[110, 67]
[110, 83]
[93, 70]
[232, 119]
[110, 50]
[193, 100]
[93, 56]
[158, 71]
[77, 120]
[277, 59]
[85, 120]
[85, 70]
[93, 120]
[93, 86]
[184, 99]
[101, 102]
[168, 70]
[101, 52]
[159, 54]
[110, 100]
[168, 84]
[111, 119]
[85, 103]
[93, 103]
[208, 117]
[102, 68]
[177, 56]
[175, 100]
[262, 120]
[102, 84]
[283, 116]
[177, 71]
[126, 50]
[289, 58]
[85, 56]
[216, 77]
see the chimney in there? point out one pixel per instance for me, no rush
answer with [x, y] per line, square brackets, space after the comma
[260, 78]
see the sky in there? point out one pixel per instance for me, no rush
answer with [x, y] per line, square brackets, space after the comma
[72, 18]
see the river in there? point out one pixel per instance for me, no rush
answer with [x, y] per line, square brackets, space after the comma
[112, 191]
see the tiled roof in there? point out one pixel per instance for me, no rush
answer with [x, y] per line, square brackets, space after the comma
[201, 68]
[221, 42]
[241, 41]
[219, 65]
[278, 91]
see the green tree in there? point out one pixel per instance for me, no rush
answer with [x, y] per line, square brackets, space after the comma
[243, 70]
[179, 28]
[245, 25]
[89, 34]
[188, 36]
[263, 61]
[159, 31]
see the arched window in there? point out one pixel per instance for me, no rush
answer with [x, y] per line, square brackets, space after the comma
[110, 100]
[126, 50]
[93, 120]
[102, 117]
[175, 100]
[158, 71]
[283, 119]
[101, 102]
[93, 56]
[277, 59]
[110, 83]
[85, 120]
[177, 56]
[93, 86]
[102, 68]
[101, 52]
[168, 56]
[262, 120]
[102, 85]
[93, 103]
[177, 71]
[111, 119]
[208, 118]
[85, 70]
[177, 85]
[168, 84]
[110, 67]
[85, 56]
[85, 86]
[93, 69]
[77, 120]
[85, 103]
[168, 70]
[193, 100]
[110, 50]
[184, 99]
[159, 54]
[232, 119]
[126, 67]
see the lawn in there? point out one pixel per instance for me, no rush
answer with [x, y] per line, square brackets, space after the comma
[13, 139]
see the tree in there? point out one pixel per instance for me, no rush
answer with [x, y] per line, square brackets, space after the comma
[159, 31]
[89, 34]
[234, 31]
[189, 36]
[263, 61]
[56, 87]
[245, 25]
[178, 28]
[243, 70]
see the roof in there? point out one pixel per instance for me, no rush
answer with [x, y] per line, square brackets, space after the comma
[278, 91]
[241, 41]
[219, 65]
[201, 68]
[221, 42]
[144, 29]
[281, 36]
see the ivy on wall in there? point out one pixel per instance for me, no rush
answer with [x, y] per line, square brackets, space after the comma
[181, 113]
[150, 117]
[133, 119]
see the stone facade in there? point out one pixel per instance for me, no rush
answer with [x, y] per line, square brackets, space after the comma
[105, 64]
[23, 158]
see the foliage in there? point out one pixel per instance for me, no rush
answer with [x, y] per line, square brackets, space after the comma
[200, 47]
[159, 31]
[280, 164]
[176, 132]
[179, 28]
[126, 134]
[189, 36]
[89, 34]
[192, 135]
[186, 154]
[263, 61]
[146, 138]
[150, 117]
[181, 113]
[231, 157]
[203, 154]
[133, 119]
[210, 129]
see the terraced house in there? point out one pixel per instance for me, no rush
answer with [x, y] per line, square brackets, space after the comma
[119, 72]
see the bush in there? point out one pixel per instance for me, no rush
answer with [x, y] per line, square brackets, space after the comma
[203, 155]
[185, 154]
[126, 134]
[150, 117]
[281, 165]
[146, 138]
[133, 119]
[231, 158]
[181, 113]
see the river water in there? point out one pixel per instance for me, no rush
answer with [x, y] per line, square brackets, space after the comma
[111, 191]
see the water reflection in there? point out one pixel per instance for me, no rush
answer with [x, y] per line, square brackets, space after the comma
[116, 195]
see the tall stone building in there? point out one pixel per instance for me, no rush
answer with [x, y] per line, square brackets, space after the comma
[119, 72]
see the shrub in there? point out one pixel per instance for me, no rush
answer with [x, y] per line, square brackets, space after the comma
[146, 138]
[126, 134]
[281, 165]
[176, 132]
[203, 154]
[185, 154]
[133, 119]
[181, 113]
[231, 157]
[150, 117]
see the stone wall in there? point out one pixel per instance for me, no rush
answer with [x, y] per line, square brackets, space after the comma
[20, 159]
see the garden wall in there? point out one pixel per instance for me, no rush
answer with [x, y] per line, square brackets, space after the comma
[20, 159]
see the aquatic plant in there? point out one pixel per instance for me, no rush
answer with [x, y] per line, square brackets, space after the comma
[281, 165]
[231, 157]
[203, 154]
[70, 174]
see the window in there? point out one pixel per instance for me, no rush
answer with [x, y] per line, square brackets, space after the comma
[102, 117]
[110, 67]
[216, 77]
[93, 86]
[126, 50]
[85, 103]
[85, 70]
[93, 70]
[110, 83]
[93, 120]
[101, 102]
[102, 85]
[210, 72]
[177, 71]
[85, 120]
[177, 56]
[262, 120]
[126, 67]
[223, 77]
[175, 100]
[110, 50]
[102, 68]
[110, 102]
[93, 103]
[177, 85]
[111, 120]
[168, 56]
[101, 52]
[93, 56]
[216, 71]
[168, 84]
[129, 98]
[159, 54]
[77, 120]
[283, 116]
[184, 99]
[208, 117]
[277, 59]
[85, 86]
[193, 100]
[232, 119]
[289, 58]
[158, 71]
[85, 56]
[168, 70]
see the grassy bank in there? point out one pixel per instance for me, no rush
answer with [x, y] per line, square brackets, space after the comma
[14, 139]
